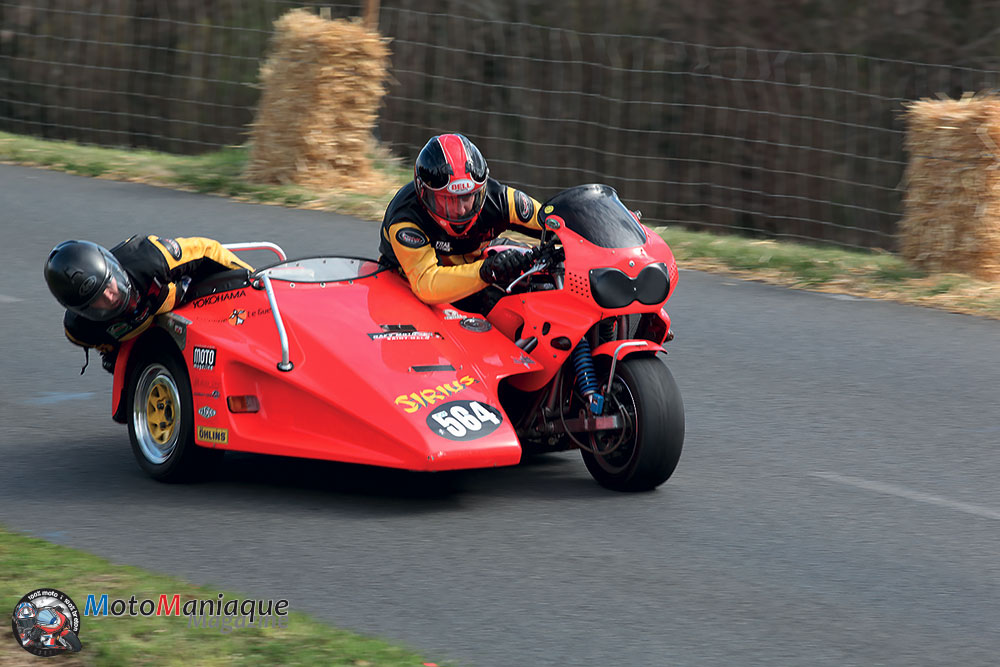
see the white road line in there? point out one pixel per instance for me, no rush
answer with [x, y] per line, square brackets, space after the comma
[902, 492]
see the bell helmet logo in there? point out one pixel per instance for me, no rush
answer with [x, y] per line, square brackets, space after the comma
[461, 186]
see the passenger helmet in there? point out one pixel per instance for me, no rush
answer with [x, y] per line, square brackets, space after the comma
[450, 178]
[88, 280]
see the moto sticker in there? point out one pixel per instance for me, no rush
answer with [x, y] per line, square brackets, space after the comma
[203, 358]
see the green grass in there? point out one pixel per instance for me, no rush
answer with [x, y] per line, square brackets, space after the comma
[872, 274]
[26, 564]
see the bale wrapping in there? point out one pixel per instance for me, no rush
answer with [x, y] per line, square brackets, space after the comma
[951, 211]
[322, 85]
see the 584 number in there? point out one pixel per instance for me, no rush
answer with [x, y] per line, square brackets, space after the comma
[464, 420]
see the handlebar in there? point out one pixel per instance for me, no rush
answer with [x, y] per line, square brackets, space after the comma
[545, 256]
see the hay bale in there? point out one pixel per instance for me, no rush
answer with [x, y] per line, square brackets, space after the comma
[951, 213]
[322, 85]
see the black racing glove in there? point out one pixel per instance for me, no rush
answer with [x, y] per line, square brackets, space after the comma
[503, 267]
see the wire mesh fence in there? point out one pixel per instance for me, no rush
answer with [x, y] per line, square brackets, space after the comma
[807, 146]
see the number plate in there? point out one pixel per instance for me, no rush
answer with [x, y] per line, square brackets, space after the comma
[464, 420]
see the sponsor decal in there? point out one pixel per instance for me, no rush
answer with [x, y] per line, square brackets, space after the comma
[524, 360]
[464, 420]
[443, 246]
[450, 314]
[46, 622]
[421, 399]
[172, 246]
[213, 299]
[523, 206]
[212, 436]
[411, 237]
[207, 383]
[203, 358]
[403, 332]
[206, 412]
[461, 186]
[476, 324]
[238, 317]
[118, 330]
[208, 394]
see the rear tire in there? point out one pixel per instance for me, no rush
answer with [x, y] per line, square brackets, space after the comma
[161, 420]
[650, 442]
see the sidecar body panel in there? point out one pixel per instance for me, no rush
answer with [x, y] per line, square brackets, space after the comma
[377, 377]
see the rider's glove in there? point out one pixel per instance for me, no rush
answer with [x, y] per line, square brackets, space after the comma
[503, 267]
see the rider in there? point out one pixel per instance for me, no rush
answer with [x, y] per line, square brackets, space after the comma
[436, 227]
[112, 296]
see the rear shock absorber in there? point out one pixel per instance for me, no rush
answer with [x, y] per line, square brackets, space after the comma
[586, 376]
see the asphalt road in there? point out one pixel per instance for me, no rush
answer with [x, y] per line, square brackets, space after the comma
[836, 504]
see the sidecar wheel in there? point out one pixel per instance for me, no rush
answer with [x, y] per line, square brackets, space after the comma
[161, 420]
[644, 452]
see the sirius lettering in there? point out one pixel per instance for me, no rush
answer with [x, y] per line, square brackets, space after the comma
[425, 397]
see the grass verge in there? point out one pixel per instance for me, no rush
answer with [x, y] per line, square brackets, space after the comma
[859, 273]
[26, 564]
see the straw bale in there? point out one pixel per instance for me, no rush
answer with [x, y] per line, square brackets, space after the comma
[322, 86]
[951, 212]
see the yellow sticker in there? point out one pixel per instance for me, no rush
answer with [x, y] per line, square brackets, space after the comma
[212, 436]
[425, 397]
[549, 209]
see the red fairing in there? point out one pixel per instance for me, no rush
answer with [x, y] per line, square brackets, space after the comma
[379, 378]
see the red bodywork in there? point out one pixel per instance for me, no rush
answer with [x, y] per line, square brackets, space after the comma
[360, 393]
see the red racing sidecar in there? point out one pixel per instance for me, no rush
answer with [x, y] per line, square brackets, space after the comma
[334, 358]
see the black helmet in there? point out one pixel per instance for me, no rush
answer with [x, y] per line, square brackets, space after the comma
[88, 280]
[450, 177]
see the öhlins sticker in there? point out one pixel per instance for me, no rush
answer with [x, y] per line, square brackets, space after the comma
[212, 436]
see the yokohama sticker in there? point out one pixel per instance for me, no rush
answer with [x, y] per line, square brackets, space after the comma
[218, 298]
[203, 358]
[411, 237]
[464, 420]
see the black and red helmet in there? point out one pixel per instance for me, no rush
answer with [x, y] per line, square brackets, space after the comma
[450, 177]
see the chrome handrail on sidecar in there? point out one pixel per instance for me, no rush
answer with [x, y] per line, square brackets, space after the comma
[284, 364]
[257, 245]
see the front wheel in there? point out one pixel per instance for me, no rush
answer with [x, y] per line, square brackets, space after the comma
[72, 641]
[161, 420]
[643, 453]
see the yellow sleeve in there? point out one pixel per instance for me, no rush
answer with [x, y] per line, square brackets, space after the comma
[523, 210]
[183, 250]
[431, 282]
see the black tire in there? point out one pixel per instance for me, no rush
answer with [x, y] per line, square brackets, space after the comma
[650, 442]
[73, 641]
[160, 418]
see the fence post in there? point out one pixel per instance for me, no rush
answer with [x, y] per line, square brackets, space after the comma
[371, 14]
